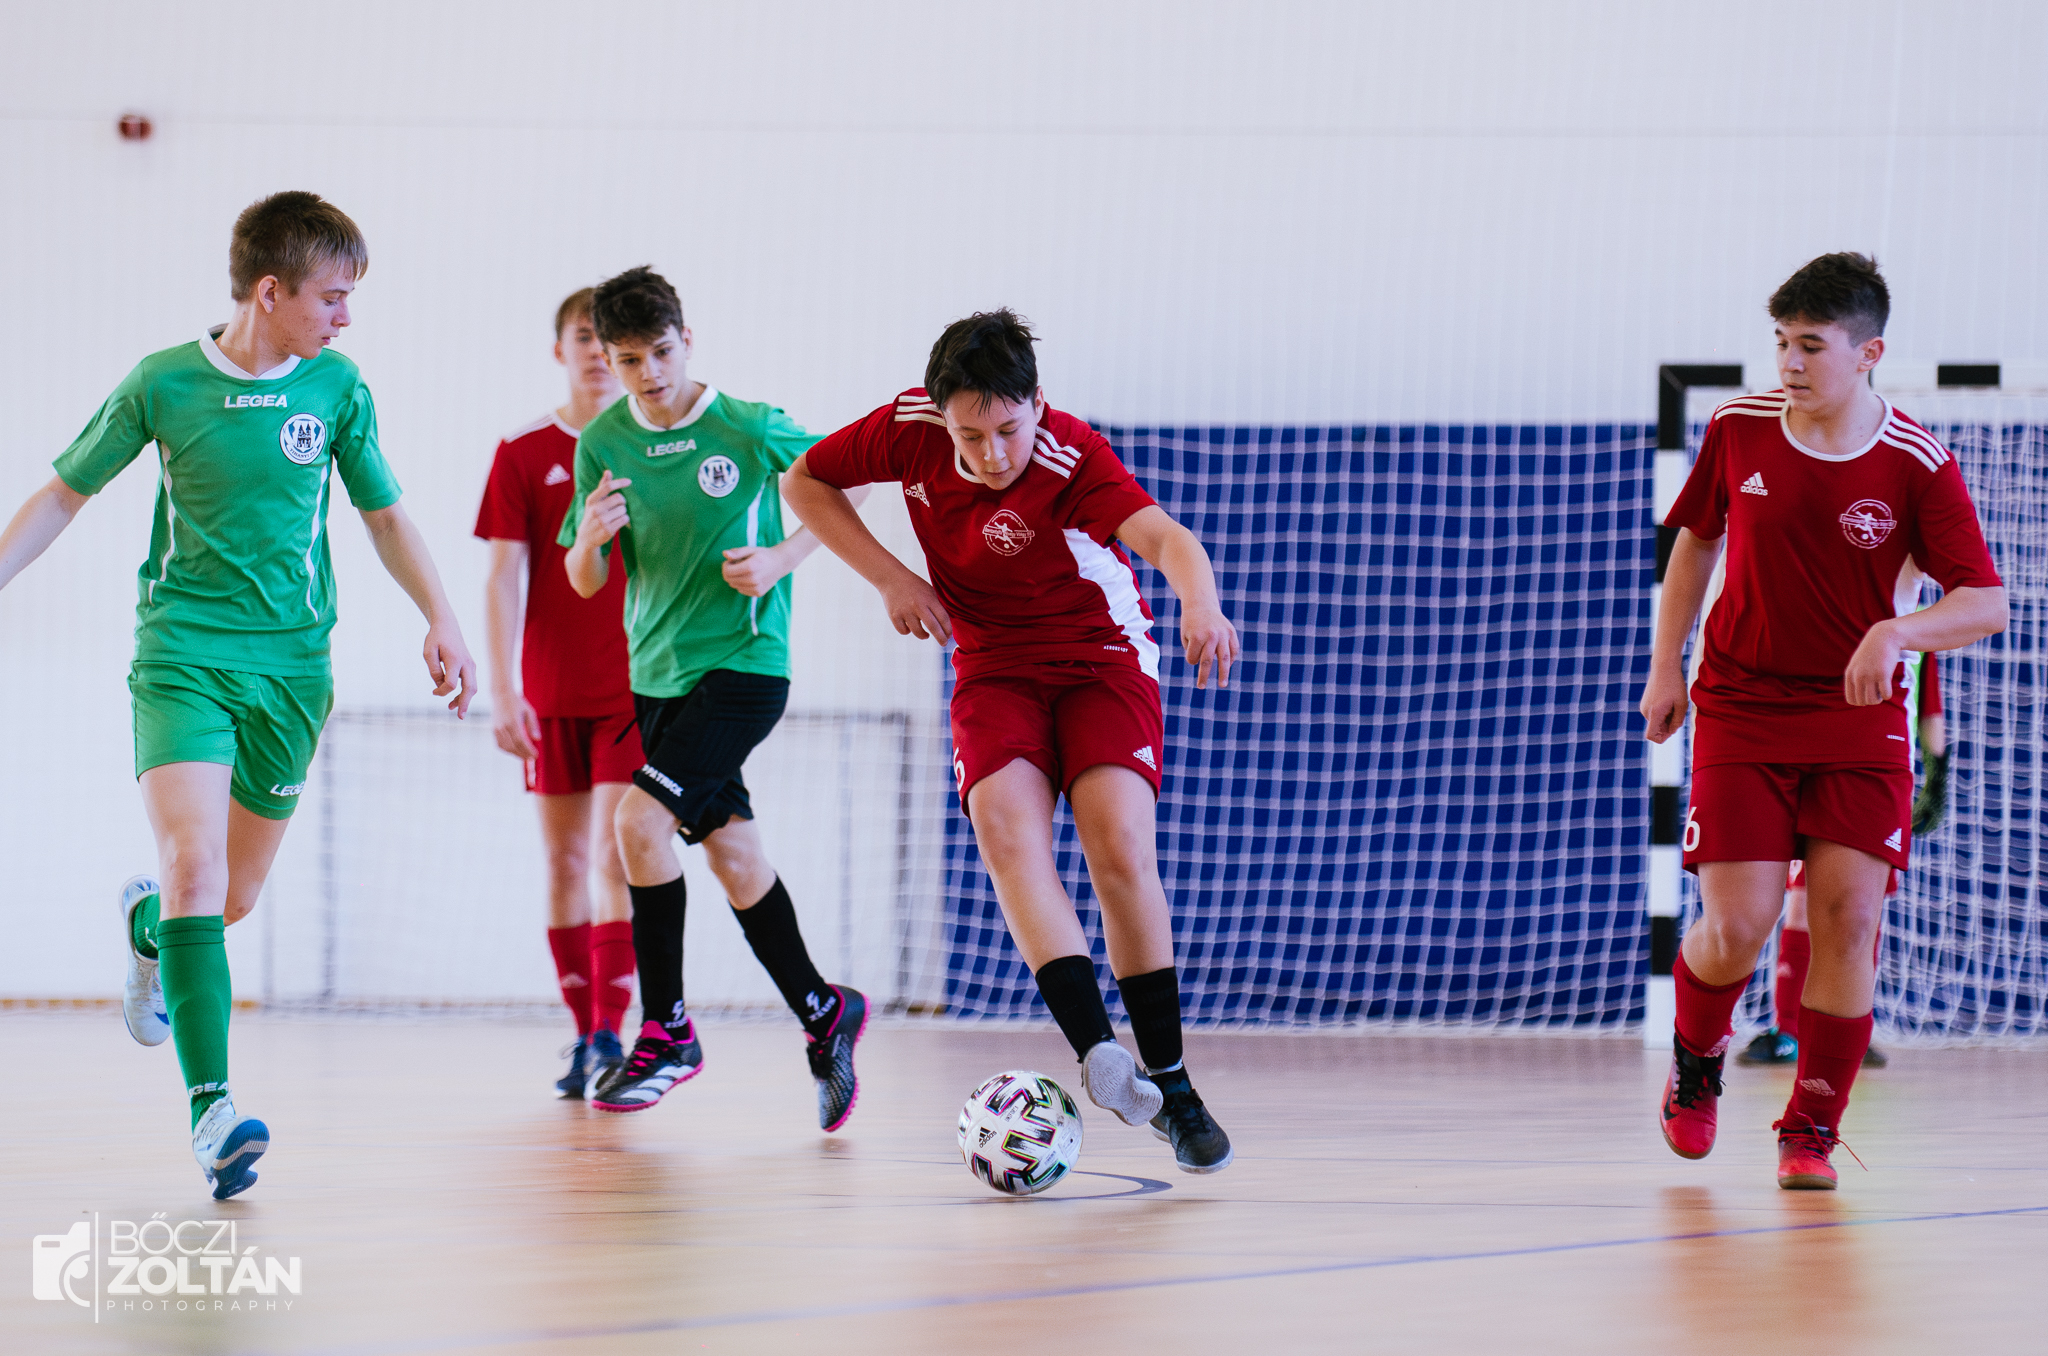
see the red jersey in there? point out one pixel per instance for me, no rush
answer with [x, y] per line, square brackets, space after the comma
[1030, 574]
[573, 652]
[1820, 549]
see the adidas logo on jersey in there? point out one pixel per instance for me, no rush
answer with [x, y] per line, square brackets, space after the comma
[1144, 756]
[252, 402]
[1893, 841]
[1755, 484]
[917, 492]
[670, 449]
[555, 476]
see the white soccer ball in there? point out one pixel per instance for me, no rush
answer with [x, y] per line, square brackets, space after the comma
[1020, 1132]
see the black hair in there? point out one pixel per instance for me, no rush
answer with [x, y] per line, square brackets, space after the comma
[1837, 289]
[638, 304]
[289, 236]
[988, 353]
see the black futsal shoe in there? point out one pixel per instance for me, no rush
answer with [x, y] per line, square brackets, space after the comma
[1199, 1144]
[1770, 1047]
[831, 1057]
[1874, 1058]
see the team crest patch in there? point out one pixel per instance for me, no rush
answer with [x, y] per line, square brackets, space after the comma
[303, 438]
[1867, 522]
[1006, 533]
[719, 476]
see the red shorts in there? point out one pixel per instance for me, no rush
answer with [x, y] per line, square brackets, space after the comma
[1760, 812]
[1063, 717]
[578, 752]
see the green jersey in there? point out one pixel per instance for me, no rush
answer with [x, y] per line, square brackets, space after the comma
[706, 485]
[238, 575]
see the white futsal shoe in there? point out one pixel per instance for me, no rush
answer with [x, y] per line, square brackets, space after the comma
[1113, 1082]
[142, 998]
[227, 1146]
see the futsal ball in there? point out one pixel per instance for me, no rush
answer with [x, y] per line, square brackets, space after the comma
[1020, 1132]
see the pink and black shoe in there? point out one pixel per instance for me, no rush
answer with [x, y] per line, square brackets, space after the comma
[831, 1057]
[658, 1063]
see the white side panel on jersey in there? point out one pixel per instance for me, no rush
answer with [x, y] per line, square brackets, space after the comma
[313, 537]
[1099, 566]
[1715, 583]
[170, 530]
[1906, 592]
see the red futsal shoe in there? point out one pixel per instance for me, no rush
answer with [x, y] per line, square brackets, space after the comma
[1691, 1095]
[1803, 1155]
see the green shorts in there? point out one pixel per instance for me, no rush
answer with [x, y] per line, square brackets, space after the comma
[265, 728]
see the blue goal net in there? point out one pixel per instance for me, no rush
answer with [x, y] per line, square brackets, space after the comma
[1423, 798]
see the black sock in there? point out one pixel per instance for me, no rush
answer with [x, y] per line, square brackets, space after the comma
[779, 945]
[1153, 1000]
[1070, 990]
[658, 950]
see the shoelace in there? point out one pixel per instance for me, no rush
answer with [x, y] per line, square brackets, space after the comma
[1826, 1140]
[1695, 1076]
[646, 1054]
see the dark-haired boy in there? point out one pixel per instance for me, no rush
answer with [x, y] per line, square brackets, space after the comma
[1834, 506]
[1020, 510]
[571, 718]
[682, 478]
[231, 678]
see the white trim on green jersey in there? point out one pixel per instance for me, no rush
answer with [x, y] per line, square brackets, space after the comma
[701, 487]
[238, 574]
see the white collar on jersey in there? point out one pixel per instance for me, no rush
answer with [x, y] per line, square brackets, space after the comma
[555, 418]
[1785, 424]
[228, 369]
[696, 412]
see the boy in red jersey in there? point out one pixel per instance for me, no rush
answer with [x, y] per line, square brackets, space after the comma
[1019, 508]
[1834, 506]
[573, 724]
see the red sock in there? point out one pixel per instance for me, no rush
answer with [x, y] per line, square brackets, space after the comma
[611, 965]
[1795, 949]
[1705, 1011]
[1830, 1051]
[572, 970]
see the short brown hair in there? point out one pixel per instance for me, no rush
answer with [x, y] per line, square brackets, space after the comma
[575, 306]
[988, 354]
[638, 304]
[288, 236]
[1837, 289]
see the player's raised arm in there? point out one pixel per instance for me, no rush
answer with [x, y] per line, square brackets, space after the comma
[1962, 617]
[405, 557]
[37, 523]
[1685, 589]
[1206, 635]
[828, 512]
[604, 516]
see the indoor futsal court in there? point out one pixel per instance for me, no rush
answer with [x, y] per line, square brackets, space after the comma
[892, 677]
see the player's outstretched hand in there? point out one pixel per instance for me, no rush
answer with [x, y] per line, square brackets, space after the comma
[915, 610]
[604, 512]
[1210, 642]
[1664, 704]
[450, 666]
[1873, 668]
[515, 725]
[753, 570]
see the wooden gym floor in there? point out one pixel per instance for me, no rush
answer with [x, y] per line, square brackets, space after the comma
[1391, 1193]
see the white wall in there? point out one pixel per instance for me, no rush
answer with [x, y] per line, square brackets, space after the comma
[1214, 212]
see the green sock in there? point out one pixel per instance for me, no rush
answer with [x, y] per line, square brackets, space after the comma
[142, 925]
[194, 956]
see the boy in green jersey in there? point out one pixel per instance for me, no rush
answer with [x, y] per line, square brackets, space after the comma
[231, 681]
[684, 481]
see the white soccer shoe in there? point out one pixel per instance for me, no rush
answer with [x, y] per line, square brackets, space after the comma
[142, 998]
[227, 1146]
[1113, 1082]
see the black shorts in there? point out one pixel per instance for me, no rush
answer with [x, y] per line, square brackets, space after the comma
[697, 742]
